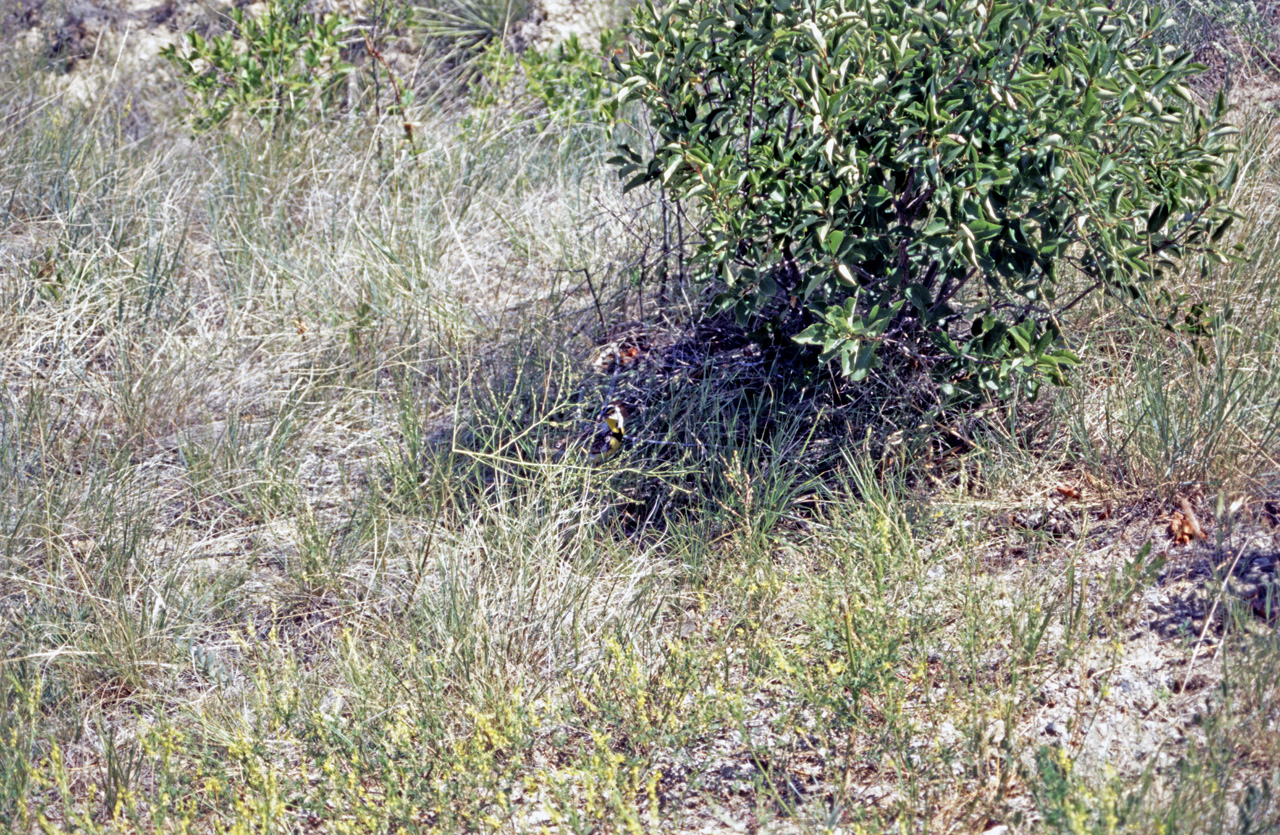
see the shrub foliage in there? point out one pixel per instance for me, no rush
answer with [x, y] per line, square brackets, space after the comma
[943, 179]
[273, 67]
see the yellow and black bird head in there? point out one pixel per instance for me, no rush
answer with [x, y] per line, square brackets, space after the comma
[608, 436]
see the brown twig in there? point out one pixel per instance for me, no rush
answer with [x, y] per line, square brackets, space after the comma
[395, 90]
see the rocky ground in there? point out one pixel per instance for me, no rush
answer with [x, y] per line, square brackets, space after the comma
[1129, 704]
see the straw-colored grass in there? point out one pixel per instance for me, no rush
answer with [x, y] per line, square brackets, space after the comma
[286, 542]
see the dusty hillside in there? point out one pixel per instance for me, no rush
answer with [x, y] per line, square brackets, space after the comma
[294, 537]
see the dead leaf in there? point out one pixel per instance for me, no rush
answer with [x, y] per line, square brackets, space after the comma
[1068, 491]
[1189, 517]
[1179, 528]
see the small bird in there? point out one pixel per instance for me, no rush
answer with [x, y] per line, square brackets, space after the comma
[605, 442]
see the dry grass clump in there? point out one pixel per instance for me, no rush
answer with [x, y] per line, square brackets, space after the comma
[1165, 409]
[292, 535]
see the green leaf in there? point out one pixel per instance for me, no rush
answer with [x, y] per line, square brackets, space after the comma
[864, 363]
[1221, 230]
[1156, 220]
[815, 334]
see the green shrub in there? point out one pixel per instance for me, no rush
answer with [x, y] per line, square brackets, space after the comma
[290, 64]
[569, 83]
[570, 80]
[942, 180]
